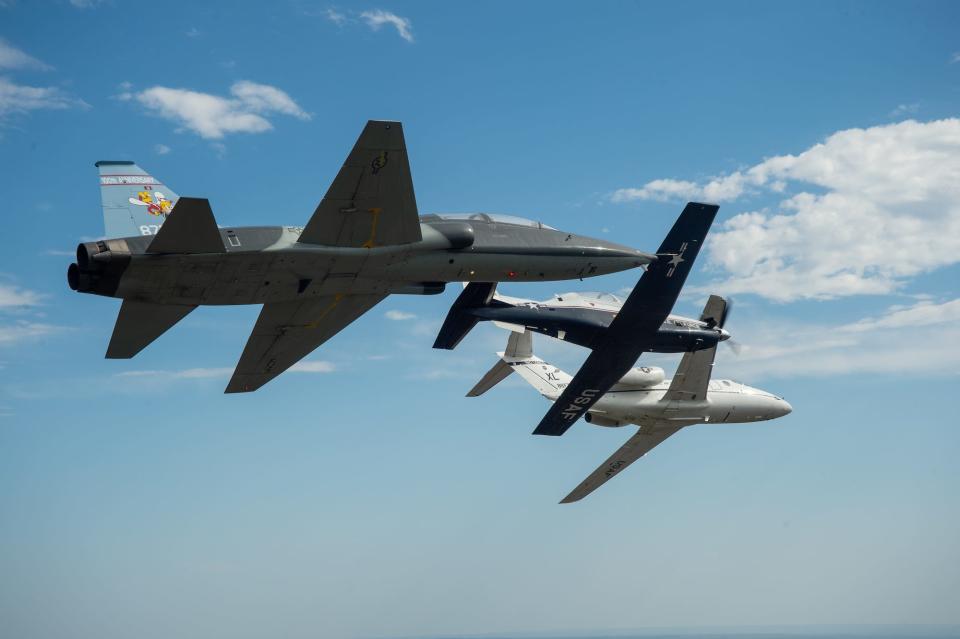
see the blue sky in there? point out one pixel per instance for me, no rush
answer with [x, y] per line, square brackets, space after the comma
[374, 500]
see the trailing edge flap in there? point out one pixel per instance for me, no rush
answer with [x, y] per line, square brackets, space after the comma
[645, 440]
[190, 228]
[139, 323]
[371, 202]
[286, 332]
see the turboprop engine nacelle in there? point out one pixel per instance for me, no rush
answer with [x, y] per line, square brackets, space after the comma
[643, 377]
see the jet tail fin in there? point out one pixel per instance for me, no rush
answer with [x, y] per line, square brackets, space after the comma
[134, 202]
[139, 323]
[547, 379]
[459, 321]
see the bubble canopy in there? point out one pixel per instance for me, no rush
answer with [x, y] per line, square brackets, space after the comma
[492, 218]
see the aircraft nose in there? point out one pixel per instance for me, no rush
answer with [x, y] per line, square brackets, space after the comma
[611, 249]
[724, 335]
[783, 407]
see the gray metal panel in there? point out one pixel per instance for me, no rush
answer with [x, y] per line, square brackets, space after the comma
[645, 440]
[139, 323]
[286, 332]
[371, 201]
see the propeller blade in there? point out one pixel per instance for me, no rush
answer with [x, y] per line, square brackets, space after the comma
[726, 312]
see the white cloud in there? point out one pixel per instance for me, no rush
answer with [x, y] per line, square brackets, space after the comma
[13, 58]
[24, 330]
[905, 109]
[188, 373]
[85, 4]
[161, 149]
[16, 297]
[219, 372]
[313, 367]
[335, 17]
[19, 98]
[378, 17]
[924, 313]
[399, 315]
[882, 204]
[212, 116]
[955, 58]
[901, 340]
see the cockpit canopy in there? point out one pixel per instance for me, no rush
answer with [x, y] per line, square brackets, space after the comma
[488, 218]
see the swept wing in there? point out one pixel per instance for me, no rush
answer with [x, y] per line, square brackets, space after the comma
[286, 332]
[371, 201]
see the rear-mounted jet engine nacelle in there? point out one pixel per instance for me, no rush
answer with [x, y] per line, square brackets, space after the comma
[597, 420]
[643, 376]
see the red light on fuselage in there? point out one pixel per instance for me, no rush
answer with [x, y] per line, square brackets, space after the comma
[511, 273]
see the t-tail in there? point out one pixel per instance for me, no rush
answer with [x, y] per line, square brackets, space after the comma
[134, 202]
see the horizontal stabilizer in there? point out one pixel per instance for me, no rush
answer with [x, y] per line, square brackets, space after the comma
[190, 228]
[500, 371]
[459, 322]
[139, 323]
[519, 346]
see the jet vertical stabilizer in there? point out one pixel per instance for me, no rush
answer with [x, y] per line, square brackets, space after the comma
[134, 202]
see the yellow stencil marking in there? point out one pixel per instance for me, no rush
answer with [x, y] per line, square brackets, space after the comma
[373, 227]
[336, 300]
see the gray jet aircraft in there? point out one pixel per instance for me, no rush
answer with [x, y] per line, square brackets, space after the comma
[365, 240]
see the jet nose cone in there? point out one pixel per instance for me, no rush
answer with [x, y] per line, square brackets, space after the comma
[784, 408]
[612, 249]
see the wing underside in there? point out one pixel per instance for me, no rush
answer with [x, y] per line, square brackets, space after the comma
[286, 332]
[645, 440]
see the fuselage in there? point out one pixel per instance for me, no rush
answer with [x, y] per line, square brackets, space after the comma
[582, 319]
[727, 402]
[268, 264]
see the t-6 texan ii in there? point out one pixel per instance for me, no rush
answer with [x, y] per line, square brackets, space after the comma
[364, 241]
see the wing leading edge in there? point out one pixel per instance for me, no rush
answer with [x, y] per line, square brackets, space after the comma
[286, 332]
